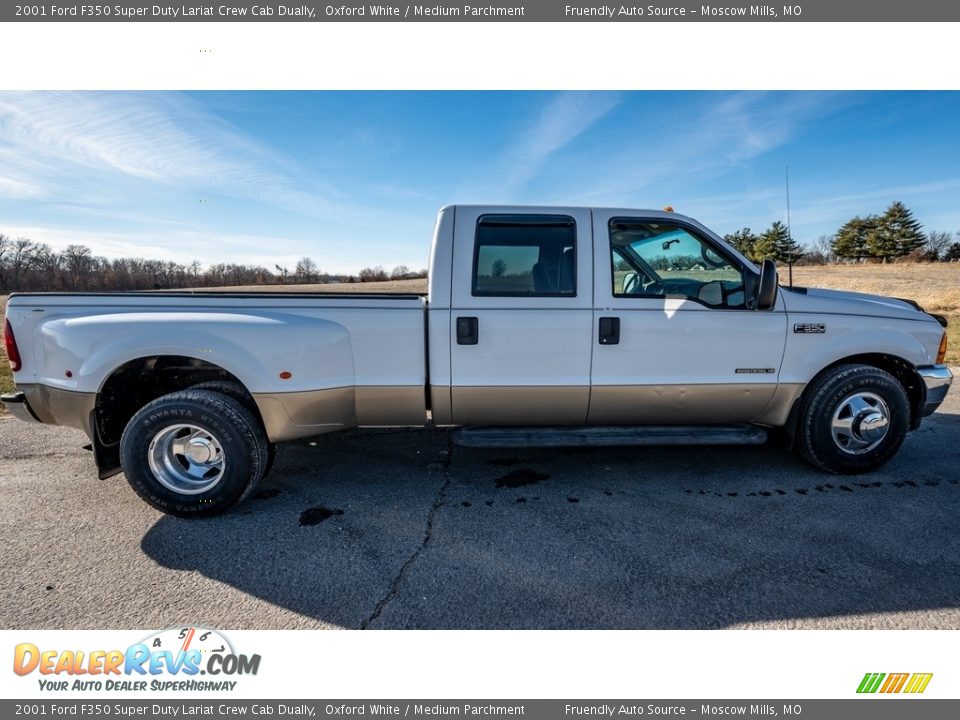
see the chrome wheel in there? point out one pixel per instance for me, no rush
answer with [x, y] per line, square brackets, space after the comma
[186, 459]
[860, 423]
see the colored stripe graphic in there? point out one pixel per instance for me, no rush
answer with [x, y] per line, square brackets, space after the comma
[894, 683]
[870, 682]
[918, 682]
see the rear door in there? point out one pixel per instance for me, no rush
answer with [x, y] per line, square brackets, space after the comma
[521, 319]
[679, 343]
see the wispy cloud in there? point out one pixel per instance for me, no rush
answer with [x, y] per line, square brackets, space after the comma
[563, 119]
[710, 137]
[19, 189]
[831, 207]
[159, 139]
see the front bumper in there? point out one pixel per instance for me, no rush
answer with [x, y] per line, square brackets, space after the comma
[17, 405]
[937, 379]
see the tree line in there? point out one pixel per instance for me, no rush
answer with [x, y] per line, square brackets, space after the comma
[25, 265]
[890, 236]
[28, 266]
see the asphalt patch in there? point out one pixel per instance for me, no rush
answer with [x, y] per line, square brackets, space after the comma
[316, 515]
[505, 462]
[520, 478]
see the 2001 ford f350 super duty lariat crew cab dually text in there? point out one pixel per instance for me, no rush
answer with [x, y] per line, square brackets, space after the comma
[541, 326]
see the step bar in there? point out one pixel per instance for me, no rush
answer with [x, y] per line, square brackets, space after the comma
[509, 437]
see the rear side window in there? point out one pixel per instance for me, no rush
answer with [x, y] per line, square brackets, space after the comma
[525, 256]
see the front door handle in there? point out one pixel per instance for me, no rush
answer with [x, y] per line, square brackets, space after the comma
[609, 331]
[468, 331]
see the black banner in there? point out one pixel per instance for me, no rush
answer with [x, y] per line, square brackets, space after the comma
[872, 708]
[483, 11]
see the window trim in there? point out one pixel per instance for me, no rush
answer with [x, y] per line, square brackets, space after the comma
[540, 220]
[699, 235]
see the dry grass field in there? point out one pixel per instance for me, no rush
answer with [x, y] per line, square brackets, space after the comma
[936, 286]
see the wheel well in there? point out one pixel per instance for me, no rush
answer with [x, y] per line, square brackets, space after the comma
[903, 371]
[135, 383]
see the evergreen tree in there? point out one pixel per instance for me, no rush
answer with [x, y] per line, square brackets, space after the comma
[952, 253]
[775, 243]
[788, 250]
[850, 242]
[743, 240]
[766, 244]
[897, 234]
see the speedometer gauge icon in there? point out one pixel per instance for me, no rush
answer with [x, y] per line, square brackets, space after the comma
[183, 639]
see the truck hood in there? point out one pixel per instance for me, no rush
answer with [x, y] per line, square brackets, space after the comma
[849, 303]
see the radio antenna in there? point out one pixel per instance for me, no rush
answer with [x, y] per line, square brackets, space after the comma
[786, 175]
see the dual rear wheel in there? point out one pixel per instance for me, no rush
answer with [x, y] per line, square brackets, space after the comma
[195, 452]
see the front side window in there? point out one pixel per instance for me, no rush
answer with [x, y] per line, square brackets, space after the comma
[525, 256]
[663, 259]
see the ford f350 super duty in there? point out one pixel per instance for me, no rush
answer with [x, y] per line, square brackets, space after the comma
[541, 326]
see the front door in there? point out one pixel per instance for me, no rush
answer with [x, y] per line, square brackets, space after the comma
[521, 318]
[688, 348]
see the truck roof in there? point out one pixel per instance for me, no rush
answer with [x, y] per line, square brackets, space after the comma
[663, 214]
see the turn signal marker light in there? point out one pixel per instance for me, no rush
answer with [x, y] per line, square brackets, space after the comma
[942, 352]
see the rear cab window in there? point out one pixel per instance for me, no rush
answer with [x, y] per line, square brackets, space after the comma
[525, 256]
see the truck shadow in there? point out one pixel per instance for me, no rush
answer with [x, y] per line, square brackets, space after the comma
[394, 529]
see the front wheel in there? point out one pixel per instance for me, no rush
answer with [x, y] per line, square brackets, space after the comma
[193, 453]
[853, 419]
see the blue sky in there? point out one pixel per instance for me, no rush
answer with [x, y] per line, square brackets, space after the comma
[355, 178]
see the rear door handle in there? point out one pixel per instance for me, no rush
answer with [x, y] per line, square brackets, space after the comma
[609, 331]
[468, 331]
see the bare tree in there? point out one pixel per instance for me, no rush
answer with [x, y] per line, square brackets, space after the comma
[400, 272]
[820, 252]
[936, 244]
[76, 258]
[373, 274]
[306, 270]
[21, 257]
[48, 263]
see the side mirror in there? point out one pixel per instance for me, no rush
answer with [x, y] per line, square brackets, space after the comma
[767, 288]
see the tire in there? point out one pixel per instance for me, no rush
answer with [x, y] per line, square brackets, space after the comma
[852, 419]
[193, 453]
[240, 394]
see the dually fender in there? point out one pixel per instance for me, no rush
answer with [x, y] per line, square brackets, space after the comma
[300, 370]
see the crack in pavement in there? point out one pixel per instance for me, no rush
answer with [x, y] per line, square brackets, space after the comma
[438, 502]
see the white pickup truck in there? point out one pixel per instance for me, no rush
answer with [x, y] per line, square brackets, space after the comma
[542, 326]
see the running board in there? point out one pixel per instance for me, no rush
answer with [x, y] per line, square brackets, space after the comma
[506, 437]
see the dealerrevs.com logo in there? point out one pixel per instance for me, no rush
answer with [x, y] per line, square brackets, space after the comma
[910, 683]
[178, 659]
